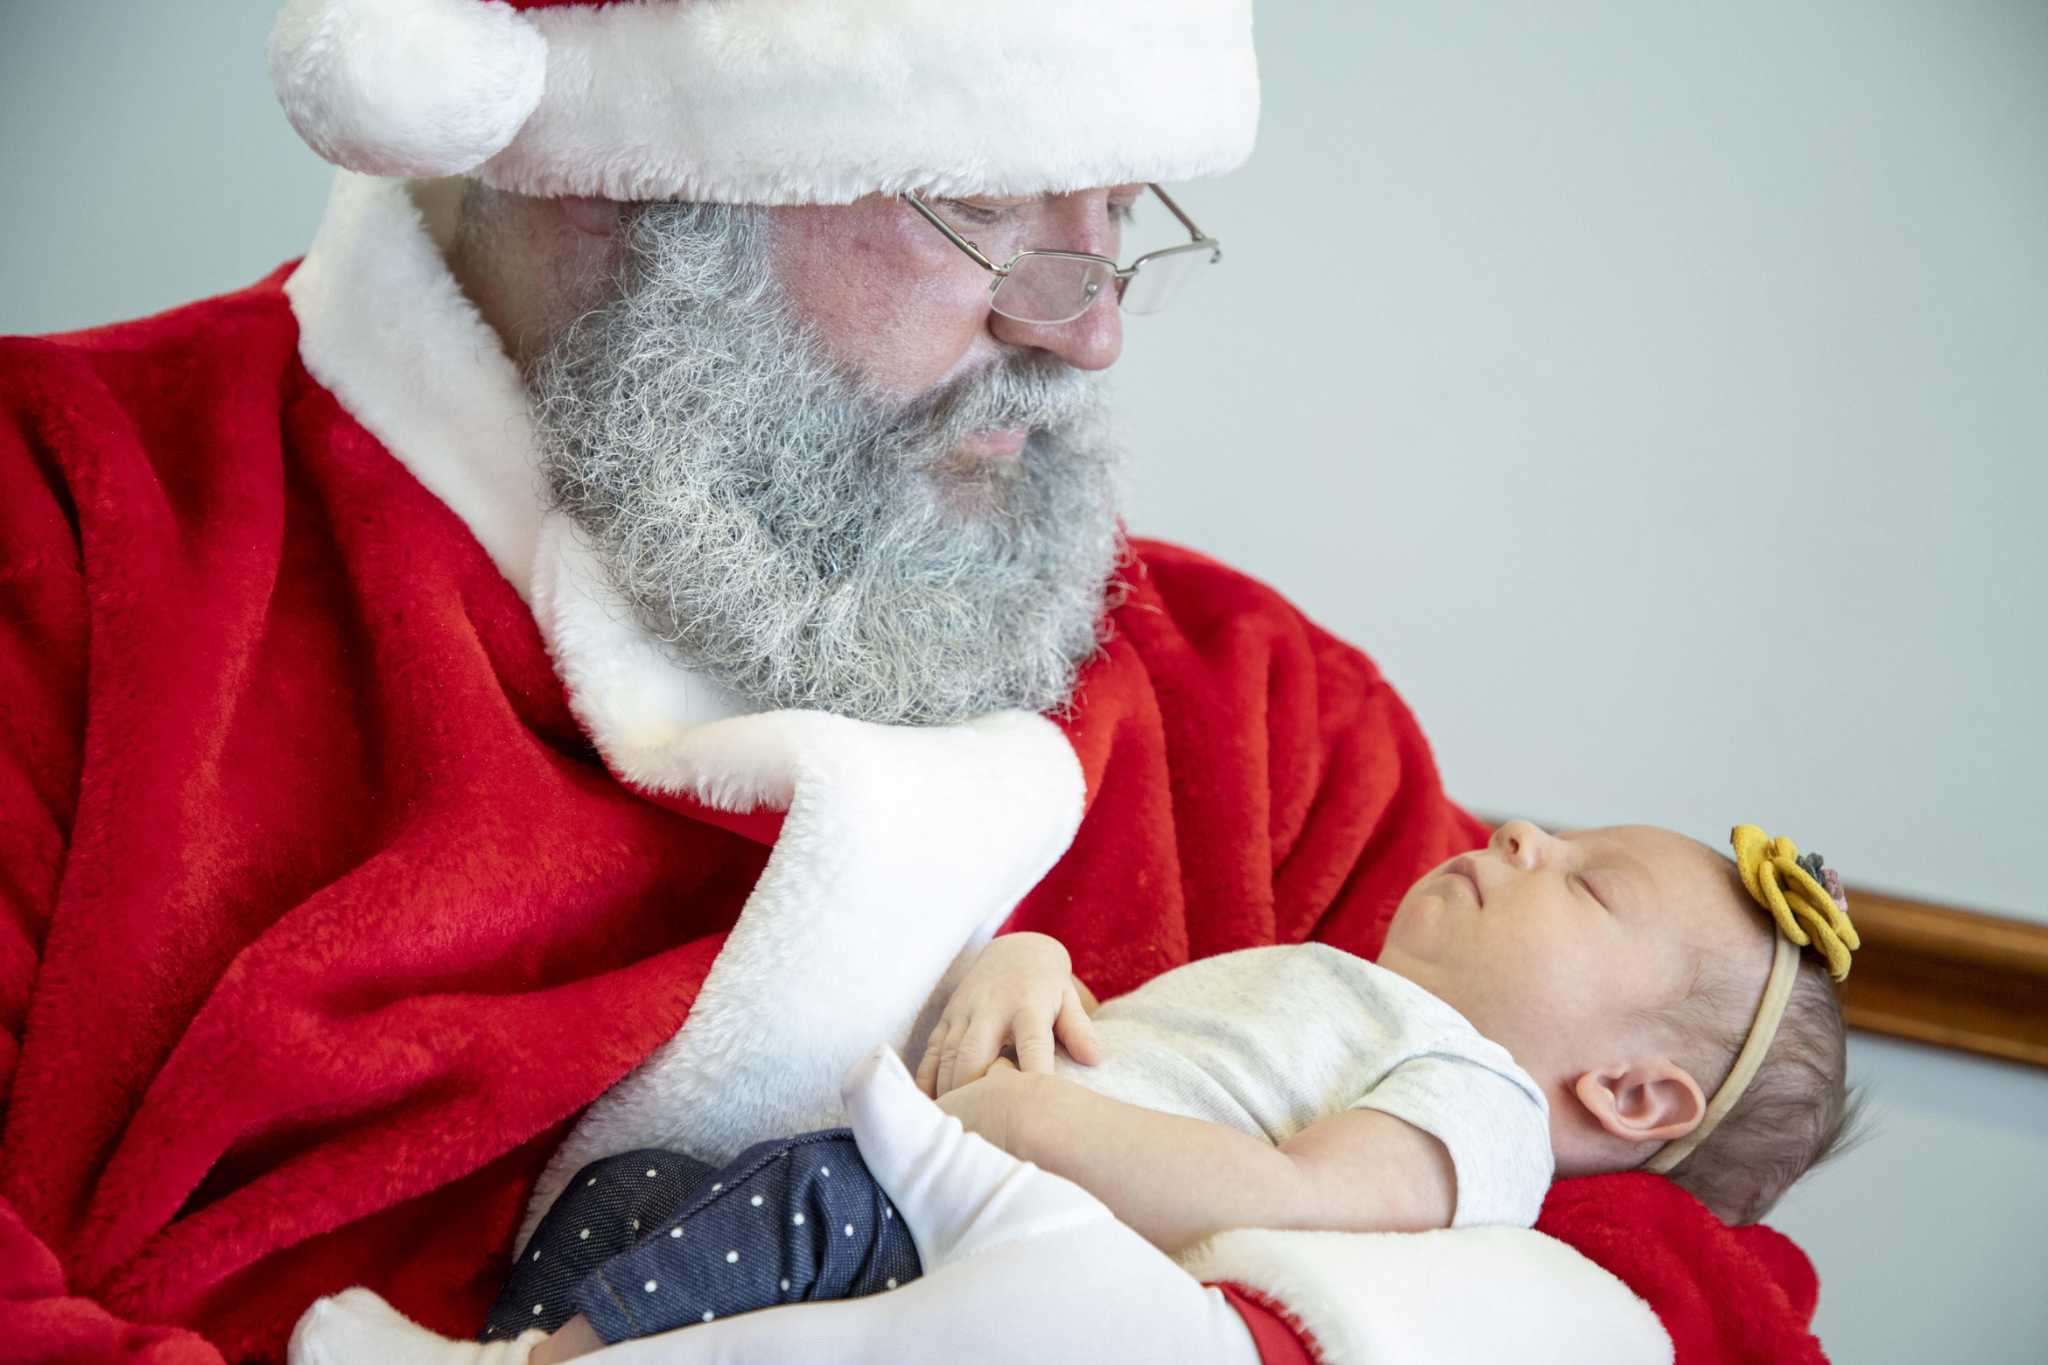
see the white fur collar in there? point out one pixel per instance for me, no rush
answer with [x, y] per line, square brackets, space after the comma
[386, 328]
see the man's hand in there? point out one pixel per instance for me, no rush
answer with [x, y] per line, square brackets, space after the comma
[1020, 991]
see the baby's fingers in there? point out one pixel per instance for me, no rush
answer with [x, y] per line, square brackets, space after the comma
[928, 1065]
[1076, 1030]
[1032, 1034]
[968, 1052]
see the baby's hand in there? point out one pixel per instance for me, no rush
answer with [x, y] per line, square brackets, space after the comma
[1022, 991]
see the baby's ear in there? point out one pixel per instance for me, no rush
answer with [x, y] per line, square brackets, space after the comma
[1646, 1101]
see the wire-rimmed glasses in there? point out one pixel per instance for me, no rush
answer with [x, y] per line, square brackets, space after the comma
[1051, 287]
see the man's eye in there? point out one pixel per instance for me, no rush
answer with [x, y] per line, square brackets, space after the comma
[973, 213]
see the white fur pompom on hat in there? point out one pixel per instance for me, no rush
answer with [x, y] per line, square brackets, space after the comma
[772, 101]
[407, 87]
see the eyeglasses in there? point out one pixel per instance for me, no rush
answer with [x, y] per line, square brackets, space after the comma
[1051, 287]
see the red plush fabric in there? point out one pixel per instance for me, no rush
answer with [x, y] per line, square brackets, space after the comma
[1278, 1334]
[1733, 1294]
[320, 918]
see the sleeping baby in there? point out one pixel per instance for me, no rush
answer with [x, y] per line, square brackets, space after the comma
[1552, 1005]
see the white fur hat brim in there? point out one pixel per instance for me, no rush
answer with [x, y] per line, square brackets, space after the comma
[775, 101]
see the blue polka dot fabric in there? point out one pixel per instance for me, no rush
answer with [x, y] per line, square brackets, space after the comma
[652, 1240]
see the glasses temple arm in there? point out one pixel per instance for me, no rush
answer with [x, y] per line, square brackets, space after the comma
[1178, 212]
[910, 197]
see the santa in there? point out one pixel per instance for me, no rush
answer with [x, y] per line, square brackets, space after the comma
[570, 664]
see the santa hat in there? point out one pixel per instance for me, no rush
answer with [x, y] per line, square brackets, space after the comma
[771, 101]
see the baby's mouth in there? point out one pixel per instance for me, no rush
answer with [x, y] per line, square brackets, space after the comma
[1463, 869]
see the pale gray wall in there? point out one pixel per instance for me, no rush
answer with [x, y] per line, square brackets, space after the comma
[1661, 395]
[143, 161]
[1659, 391]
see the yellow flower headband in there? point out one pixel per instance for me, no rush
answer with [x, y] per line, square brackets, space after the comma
[1809, 907]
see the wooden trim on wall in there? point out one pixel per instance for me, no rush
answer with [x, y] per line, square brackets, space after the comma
[1949, 977]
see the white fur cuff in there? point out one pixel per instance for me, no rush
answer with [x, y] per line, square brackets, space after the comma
[1465, 1296]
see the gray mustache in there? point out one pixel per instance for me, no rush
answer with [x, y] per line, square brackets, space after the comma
[1040, 392]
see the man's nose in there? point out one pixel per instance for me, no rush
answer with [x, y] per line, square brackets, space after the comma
[1523, 844]
[1092, 341]
[1075, 222]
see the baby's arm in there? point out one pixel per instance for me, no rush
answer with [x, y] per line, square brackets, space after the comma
[1178, 1180]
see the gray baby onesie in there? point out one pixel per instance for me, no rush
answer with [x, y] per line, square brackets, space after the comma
[1269, 1040]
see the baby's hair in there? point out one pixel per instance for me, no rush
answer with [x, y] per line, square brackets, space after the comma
[1798, 1111]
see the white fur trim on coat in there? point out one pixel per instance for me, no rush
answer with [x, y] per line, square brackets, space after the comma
[1465, 1296]
[386, 329]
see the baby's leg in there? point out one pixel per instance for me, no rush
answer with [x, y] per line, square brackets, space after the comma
[610, 1206]
[790, 1220]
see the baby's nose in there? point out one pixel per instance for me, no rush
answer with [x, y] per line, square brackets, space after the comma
[1522, 842]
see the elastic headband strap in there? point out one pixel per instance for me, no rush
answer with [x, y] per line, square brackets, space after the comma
[1762, 1030]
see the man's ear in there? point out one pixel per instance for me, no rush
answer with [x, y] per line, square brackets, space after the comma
[1648, 1101]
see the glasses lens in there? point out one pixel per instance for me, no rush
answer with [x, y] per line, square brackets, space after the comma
[1164, 278]
[1044, 287]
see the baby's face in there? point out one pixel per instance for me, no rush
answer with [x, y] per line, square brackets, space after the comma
[1553, 945]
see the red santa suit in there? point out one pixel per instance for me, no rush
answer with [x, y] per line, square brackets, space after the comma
[353, 843]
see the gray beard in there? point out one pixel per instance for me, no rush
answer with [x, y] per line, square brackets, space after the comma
[799, 536]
